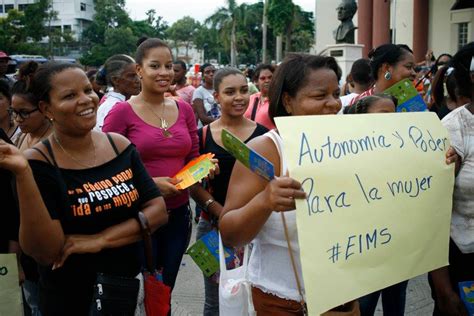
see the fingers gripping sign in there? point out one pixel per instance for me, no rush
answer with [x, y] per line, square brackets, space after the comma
[281, 193]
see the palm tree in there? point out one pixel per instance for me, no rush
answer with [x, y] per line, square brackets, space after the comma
[280, 18]
[226, 19]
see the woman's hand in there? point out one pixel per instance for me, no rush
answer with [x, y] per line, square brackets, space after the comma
[77, 244]
[167, 186]
[172, 90]
[451, 156]
[281, 192]
[450, 304]
[214, 171]
[12, 159]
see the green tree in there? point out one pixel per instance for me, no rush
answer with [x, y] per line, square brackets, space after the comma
[11, 31]
[302, 37]
[152, 26]
[111, 32]
[280, 18]
[23, 32]
[35, 18]
[183, 32]
[108, 14]
[119, 40]
[290, 21]
[226, 20]
[249, 32]
[215, 49]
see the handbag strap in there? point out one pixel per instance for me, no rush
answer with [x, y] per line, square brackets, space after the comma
[254, 109]
[293, 264]
[203, 136]
[146, 235]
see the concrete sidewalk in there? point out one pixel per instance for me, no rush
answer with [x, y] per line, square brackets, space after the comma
[188, 295]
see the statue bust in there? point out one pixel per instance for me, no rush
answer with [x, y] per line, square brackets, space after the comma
[345, 31]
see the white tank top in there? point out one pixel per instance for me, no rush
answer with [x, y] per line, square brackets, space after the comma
[270, 266]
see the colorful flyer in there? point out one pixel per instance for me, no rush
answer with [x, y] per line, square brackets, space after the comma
[196, 170]
[205, 253]
[247, 156]
[409, 100]
[466, 291]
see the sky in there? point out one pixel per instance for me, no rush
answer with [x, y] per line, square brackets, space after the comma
[172, 10]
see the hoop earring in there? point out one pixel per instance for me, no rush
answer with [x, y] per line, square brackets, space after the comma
[387, 75]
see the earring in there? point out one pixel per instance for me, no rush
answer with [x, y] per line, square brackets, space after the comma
[51, 119]
[387, 75]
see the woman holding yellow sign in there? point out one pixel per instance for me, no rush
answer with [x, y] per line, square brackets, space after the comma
[263, 212]
[302, 85]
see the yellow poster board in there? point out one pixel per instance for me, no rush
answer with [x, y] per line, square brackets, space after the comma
[10, 295]
[378, 206]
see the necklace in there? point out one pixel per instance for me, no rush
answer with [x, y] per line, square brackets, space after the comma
[72, 157]
[163, 123]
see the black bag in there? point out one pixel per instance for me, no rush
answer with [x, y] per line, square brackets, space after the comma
[114, 295]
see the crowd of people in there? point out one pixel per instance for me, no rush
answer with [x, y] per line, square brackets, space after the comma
[83, 153]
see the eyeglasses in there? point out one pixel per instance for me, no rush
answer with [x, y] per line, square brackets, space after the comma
[23, 114]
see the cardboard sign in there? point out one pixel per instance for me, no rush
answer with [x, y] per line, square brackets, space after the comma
[379, 198]
[10, 291]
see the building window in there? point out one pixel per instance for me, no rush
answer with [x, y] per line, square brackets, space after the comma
[83, 6]
[8, 7]
[1, 8]
[22, 7]
[67, 28]
[462, 34]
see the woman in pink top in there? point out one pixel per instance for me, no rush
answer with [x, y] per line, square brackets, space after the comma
[258, 106]
[181, 89]
[165, 134]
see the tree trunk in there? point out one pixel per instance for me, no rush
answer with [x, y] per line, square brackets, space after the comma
[233, 46]
[289, 30]
[288, 41]
[279, 48]
[264, 32]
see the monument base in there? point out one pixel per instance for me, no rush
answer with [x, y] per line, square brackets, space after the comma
[345, 54]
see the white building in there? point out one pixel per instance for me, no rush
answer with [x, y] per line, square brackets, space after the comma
[73, 15]
[193, 56]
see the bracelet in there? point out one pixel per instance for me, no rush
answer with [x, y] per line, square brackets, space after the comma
[208, 203]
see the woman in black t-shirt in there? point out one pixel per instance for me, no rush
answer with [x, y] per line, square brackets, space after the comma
[79, 195]
[232, 94]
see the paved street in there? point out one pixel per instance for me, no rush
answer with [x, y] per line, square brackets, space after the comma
[188, 295]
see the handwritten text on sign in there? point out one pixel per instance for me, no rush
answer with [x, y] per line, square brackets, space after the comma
[378, 200]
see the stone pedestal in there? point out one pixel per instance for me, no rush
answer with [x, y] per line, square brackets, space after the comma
[345, 54]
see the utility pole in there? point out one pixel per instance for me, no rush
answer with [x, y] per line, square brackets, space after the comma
[279, 47]
[264, 32]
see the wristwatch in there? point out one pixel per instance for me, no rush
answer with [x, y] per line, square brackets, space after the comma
[207, 203]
